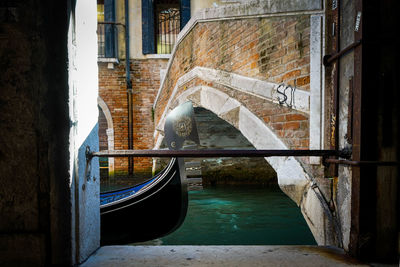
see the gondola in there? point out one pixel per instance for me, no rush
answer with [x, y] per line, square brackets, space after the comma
[158, 206]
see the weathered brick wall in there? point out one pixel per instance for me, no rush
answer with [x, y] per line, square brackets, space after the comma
[274, 49]
[112, 89]
[145, 76]
[146, 82]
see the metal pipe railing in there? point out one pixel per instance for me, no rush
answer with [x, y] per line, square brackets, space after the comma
[362, 162]
[215, 153]
[328, 59]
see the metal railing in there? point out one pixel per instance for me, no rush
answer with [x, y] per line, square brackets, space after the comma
[208, 153]
[107, 37]
[168, 27]
[213, 153]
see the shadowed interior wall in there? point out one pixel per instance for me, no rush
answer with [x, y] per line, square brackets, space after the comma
[35, 207]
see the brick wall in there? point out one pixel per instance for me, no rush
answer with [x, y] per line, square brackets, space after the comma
[145, 76]
[146, 82]
[112, 89]
[274, 49]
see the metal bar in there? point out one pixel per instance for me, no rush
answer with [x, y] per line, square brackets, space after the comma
[328, 59]
[213, 153]
[129, 90]
[101, 40]
[167, 31]
[111, 22]
[349, 134]
[355, 222]
[363, 162]
[107, 48]
[334, 116]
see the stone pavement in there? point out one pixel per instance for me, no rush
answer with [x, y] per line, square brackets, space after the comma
[120, 256]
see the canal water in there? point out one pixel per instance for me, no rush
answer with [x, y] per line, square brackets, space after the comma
[240, 216]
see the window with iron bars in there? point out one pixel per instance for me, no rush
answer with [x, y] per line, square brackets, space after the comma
[106, 29]
[162, 21]
[167, 27]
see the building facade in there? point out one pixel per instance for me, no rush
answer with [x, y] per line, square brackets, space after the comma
[49, 205]
[125, 103]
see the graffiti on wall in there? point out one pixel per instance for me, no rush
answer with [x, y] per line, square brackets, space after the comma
[286, 95]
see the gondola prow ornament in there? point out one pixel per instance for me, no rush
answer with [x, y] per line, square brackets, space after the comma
[180, 125]
[158, 206]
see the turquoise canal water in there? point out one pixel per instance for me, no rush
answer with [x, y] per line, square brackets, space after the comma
[241, 216]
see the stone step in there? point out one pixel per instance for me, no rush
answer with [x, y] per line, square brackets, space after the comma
[193, 172]
[195, 180]
[190, 146]
[191, 164]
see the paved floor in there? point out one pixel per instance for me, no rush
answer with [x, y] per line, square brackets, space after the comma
[231, 256]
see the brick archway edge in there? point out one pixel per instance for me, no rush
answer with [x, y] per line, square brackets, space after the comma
[109, 131]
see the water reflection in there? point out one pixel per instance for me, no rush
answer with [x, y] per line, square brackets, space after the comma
[240, 216]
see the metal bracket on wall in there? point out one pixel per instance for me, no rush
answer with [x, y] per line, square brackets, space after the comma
[88, 166]
[328, 59]
[362, 162]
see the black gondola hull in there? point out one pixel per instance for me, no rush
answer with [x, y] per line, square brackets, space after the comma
[154, 213]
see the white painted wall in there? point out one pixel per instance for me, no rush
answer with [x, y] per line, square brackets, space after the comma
[135, 27]
[316, 85]
[83, 82]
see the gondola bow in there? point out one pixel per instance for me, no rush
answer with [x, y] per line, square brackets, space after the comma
[158, 206]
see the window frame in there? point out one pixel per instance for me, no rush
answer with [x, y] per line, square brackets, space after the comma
[148, 23]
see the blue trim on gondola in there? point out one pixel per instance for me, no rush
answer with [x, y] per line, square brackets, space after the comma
[110, 197]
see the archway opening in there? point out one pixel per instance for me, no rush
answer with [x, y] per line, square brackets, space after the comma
[103, 145]
[239, 201]
[293, 177]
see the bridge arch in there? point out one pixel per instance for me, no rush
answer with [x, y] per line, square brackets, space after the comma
[293, 179]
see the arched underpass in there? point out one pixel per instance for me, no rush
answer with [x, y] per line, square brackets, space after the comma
[293, 178]
[245, 81]
[216, 133]
[240, 202]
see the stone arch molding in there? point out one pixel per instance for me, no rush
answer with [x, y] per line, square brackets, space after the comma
[288, 169]
[109, 132]
[292, 178]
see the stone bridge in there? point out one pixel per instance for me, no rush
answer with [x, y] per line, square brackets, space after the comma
[259, 68]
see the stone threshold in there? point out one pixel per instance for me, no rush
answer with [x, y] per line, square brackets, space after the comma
[120, 256]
